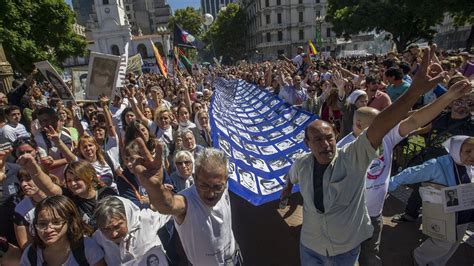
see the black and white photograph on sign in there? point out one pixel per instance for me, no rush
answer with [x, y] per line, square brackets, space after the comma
[251, 147]
[299, 137]
[266, 150]
[279, 163]
[266, 127]
[232, 173]
[259, 164]
[53, 77]
[288, 129]
[295, 155]
[246, 121]
[224, 145]
[300, 120]
[253, 129]
[103, 72]
[253, 114]
[285, 144]
[239, 155]
[247, 179]
[278, 122]
[236, 140]
[259, 138]
[451, 197]
[274, 135]
[258, 105]
[273, 103]
[269, 186]
[154, 257]
[79, 83]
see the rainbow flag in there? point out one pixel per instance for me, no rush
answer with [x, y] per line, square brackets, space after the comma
[159, 60]
[312, 48]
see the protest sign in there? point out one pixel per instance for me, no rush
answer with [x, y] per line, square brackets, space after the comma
[102, 75]
[458, 198]
[261, 134]
[135, 64]
[55, 79]
[79, 83]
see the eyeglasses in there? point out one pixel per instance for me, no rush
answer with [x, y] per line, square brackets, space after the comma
[460, 102]
[206, 188]
[55, 225]
[184, 163]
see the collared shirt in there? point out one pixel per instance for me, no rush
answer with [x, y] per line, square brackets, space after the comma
[345, 222]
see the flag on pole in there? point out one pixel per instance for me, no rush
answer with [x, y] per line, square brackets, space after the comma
[159, 60]
[122, 72]
[319, 40]
[312, 48]
[185, 61]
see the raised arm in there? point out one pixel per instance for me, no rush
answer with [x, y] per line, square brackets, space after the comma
[53, 135]
[135, 108]
[104, 102]
[393, 114]
[149, 170]
[41, 179]
[426, 114]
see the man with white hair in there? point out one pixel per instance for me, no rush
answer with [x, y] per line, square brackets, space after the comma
[202, 212]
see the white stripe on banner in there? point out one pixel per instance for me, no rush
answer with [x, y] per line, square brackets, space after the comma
[122, 71]
[261, 134]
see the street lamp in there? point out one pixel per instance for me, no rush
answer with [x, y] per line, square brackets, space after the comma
[319, 22]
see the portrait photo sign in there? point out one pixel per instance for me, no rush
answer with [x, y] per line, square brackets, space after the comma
[79, 82]
[55, 79]
[102, 75]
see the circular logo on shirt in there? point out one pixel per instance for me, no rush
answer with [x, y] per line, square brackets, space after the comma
[376, 168]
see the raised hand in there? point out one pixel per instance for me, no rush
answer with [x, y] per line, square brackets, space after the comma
[51, 133]
[460, 88]
[422, 81]
[104, 100]
[147, 167]
[338, 80]
[28, 162]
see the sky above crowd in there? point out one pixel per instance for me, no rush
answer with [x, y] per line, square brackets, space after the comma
[175, 4]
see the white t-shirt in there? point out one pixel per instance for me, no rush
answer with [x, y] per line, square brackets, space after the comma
[298, 61]
[112, 150]
[206, 233]
[26, 209]
[117, 113]
[379, 170]
[12, 132]
[92, 251]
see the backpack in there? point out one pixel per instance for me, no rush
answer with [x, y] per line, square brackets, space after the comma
[79, 254]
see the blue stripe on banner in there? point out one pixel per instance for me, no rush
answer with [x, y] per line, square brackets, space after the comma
[261, 134]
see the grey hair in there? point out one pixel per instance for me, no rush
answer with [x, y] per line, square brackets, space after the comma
[108, 208]
[183, 133]
[215, 157]
[181, 154]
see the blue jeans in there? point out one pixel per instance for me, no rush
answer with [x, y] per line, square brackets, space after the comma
[310, 258]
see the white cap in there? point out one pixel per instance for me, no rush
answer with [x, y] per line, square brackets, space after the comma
[355, 95]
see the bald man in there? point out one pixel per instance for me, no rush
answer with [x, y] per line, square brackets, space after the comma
[335, 218]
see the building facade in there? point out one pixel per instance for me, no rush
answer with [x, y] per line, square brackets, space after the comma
[82, 8]
[213, 6]
[280, 26]
[450, 37]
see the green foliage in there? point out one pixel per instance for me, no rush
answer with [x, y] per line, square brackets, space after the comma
[462, 11]
[225, 36]
[406, 20]
[189, 19]
[36, 30]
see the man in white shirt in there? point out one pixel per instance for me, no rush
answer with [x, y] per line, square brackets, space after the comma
[13, 129]
[202, 212]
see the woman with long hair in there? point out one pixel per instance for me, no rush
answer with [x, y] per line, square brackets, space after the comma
[59, 236]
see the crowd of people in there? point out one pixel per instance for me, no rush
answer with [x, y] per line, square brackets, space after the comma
[134, 178]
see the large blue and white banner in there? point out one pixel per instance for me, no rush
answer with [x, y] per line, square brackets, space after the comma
[261, 134]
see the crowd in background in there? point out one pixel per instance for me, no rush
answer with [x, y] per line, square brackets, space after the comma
[126, 177]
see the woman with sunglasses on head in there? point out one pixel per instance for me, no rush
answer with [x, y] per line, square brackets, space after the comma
[59, 236]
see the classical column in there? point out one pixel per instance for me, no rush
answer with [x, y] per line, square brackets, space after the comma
[6, 73]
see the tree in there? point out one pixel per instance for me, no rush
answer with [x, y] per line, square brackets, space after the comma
[406, 20]
[463, 13]
[189, 19]
[36, 30]
[225, 36]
